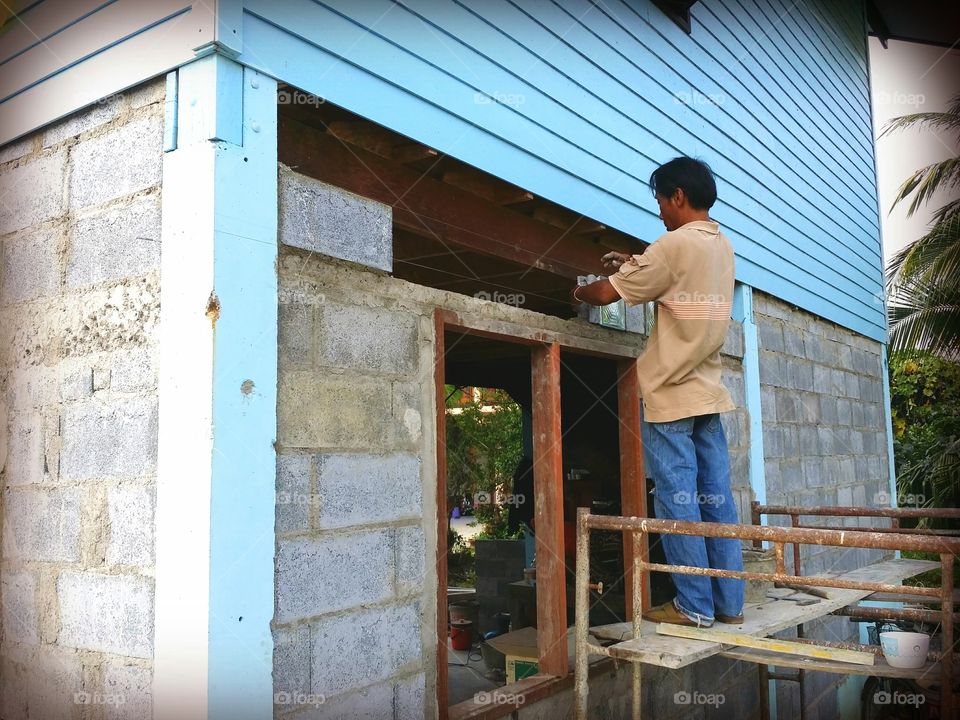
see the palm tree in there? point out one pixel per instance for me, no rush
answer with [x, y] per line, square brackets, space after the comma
[923, 290]
[923, 279]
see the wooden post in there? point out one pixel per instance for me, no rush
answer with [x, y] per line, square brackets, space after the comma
[548, 511]
[439, 350]
[633, 496]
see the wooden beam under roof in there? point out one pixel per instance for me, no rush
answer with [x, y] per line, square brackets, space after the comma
[472, 181]
[511, 195]
[365, 134]
[571, 222]
[412, 152]
[359, 132]
[430, 207]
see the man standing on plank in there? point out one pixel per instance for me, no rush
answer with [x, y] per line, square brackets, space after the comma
[689, 273]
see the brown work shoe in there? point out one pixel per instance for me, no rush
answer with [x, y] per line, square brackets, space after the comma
[668, 613]
[730, 619]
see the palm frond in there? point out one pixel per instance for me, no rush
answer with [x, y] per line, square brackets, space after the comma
[926, 181]
[949, 120]
[935, 257]
[946, 211]
[954, 105]
[923, 279]
[925, 316]
[937, 472]
[935, 253]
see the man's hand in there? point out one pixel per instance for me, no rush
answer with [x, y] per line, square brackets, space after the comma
[600, 292]
[613, 260]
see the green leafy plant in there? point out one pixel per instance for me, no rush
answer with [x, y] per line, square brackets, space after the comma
[484, 446]
[461, 568]
[925, 406]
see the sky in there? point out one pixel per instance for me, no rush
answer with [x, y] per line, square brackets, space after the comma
[909, 78]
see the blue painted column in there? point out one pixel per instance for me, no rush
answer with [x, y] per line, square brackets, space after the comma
[888, 422]
[217, 469]
[743, 313]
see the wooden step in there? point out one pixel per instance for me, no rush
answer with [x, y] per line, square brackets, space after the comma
[761, 620]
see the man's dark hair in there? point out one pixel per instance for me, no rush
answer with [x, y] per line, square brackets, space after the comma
[694, 176]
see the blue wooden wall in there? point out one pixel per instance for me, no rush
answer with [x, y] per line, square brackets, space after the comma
[579, 102]
[57, 56]
[572, 100]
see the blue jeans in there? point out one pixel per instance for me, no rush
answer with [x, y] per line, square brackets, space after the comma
[690, 467]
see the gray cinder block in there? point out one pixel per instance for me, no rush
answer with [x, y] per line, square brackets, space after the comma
[110, 613]
[326, 219]
[365, 647]
[32, 192]
[19, 608]
[131, 515]
[115, 439]
[411, 556]
[121, 162]
[115, 244]
[369, 339]
[30, 265]
[333, 572]
[356, 489]
[42, 524]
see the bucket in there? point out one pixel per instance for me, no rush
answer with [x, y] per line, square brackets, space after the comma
[758, 561]
[461, 634]
[465, 610]
[905, 649]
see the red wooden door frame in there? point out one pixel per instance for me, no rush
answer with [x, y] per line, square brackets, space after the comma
[548, 488]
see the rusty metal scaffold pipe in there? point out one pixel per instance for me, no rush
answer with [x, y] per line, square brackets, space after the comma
[582, 624]
[805, 536]
[843, 511]
[881, 613]
[946, 635]
[945, 547]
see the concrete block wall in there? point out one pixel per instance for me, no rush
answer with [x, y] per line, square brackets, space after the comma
[825, 443]
[351, 622]
[713, 688]
[79, 311]
[498, 563]
[736, 423]
[824, 427]
[356, 592]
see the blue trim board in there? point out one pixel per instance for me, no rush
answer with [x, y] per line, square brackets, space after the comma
[888, 422]
[743, 314]
[227, 127]
[244, 404]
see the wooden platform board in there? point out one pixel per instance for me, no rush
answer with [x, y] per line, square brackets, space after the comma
[880, 668]
[760, 619]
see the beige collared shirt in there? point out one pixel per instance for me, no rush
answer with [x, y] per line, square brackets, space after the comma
[689, 272]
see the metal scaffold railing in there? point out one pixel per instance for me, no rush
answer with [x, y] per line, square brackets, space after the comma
[856, 584]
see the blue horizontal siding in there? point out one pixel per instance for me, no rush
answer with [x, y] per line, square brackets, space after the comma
[580, 102]
[62, 55]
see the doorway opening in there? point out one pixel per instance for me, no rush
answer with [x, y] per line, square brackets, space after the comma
[529, 434]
